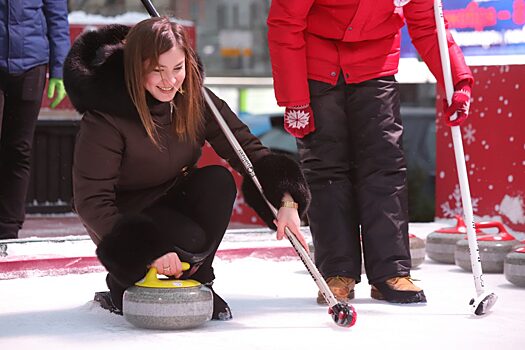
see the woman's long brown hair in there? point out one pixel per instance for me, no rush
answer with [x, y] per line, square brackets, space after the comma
[147, 40]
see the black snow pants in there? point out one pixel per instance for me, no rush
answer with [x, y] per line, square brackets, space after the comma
[355, 166]
[197, 211]
[20, 100]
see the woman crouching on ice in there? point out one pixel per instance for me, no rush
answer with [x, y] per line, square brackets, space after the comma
[136, 185]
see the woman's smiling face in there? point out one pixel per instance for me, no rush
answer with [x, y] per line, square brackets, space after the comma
[167, 77]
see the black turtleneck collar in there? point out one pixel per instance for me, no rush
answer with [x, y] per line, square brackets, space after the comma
[160, 111]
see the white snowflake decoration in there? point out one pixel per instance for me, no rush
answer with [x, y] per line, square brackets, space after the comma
[457, 208]
[513, 208]
[238, 205]
[297, 119]
[468, 136]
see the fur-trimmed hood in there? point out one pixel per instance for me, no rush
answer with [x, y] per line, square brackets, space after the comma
[94, 72]
[94, 80]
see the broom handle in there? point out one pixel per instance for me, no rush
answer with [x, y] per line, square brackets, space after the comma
[152, 11]
[458, 152]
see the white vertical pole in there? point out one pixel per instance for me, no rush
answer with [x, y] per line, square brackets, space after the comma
[459, 153]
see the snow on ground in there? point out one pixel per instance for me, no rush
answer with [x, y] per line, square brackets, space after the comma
[273, 304]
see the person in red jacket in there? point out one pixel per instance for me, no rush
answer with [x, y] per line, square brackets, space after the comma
[333, 64]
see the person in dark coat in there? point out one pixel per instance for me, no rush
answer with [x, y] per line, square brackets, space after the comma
[34, 40]
[333, 65]
[136, 186]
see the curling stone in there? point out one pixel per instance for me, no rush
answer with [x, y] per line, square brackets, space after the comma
[311, 248]
[441, 244]
[492, 248]
[514, 266]
[417, 250]
[3, 250]
[166, 303]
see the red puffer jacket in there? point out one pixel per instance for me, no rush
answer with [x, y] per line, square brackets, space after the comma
[317, 39]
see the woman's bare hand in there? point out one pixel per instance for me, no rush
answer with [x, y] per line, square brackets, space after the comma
[169, 264]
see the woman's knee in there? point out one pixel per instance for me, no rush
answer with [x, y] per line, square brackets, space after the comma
[220, 178]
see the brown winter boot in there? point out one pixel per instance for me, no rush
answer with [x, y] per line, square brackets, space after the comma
[398, 290]
[341, 287]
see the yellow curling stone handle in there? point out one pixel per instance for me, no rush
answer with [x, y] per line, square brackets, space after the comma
[152, 281]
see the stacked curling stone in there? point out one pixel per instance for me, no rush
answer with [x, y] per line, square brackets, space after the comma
[492, 248]
[441, 244]
[417, 250]
[514, 266]
[167, 304]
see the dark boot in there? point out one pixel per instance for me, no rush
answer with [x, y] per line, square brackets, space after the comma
[116, 293]
[221, 310]
[106, 302]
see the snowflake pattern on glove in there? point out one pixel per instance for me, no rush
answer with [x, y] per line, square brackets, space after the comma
[466, 106]
[297, 119]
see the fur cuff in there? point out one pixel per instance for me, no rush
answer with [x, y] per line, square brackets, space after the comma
[134, 242]
[277, 174]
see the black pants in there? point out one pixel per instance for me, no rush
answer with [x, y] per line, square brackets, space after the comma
[20, 100]
[197, 212]
[355, 166]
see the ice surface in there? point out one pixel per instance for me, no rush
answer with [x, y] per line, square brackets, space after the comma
[273, 304]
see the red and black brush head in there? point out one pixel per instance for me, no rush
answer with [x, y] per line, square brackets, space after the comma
[344, 315]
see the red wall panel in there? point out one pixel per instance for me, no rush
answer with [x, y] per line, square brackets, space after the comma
[242, 214]
[494, 145]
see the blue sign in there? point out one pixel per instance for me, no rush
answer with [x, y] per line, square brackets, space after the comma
[482, 27]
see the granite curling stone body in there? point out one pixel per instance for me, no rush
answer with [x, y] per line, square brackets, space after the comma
[492, 249]
[441, 244]
[417, 250]
[167, 304]
[514, 266]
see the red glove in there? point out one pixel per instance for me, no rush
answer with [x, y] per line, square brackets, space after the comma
[299, 120]
[460, 103]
